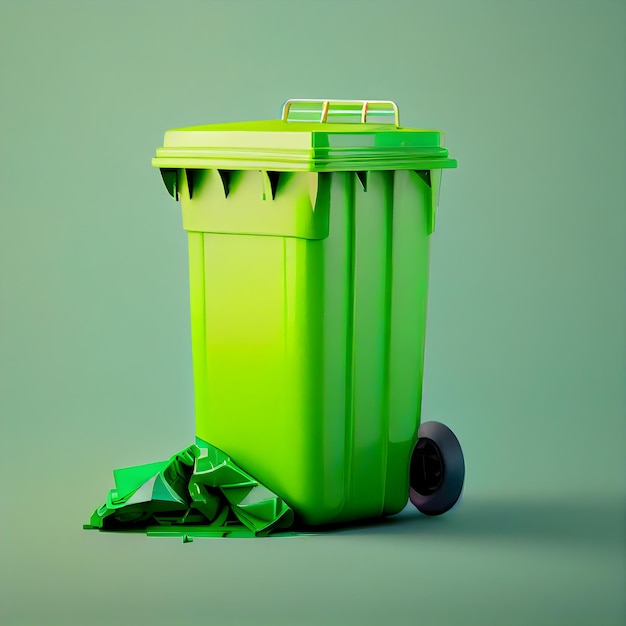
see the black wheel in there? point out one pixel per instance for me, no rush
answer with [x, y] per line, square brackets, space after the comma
[437, 469]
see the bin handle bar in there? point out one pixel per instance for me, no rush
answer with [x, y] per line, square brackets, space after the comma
[327, 105]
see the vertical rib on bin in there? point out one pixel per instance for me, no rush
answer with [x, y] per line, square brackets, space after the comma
[335, 420]
[409, 294]
[373, 212]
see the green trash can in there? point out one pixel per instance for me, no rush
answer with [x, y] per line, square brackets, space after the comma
[308, 261]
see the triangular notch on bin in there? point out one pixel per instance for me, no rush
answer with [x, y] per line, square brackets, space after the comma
[424, 175]
[274, 177]
[170, 178]
[270, 183]
[362, 176]
[189, 174]
[225, 176]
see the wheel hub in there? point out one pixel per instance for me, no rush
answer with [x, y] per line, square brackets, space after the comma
[426, 473]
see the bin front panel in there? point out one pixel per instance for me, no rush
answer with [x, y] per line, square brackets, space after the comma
[308, 353]
[252, 394]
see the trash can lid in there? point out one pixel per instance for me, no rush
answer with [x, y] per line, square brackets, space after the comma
[312, 135]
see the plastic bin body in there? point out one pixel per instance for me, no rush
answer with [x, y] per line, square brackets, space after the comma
[308, 317]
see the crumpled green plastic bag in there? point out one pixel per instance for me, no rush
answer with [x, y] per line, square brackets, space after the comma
[197, 492]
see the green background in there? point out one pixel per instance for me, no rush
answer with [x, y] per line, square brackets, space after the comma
[525, 348]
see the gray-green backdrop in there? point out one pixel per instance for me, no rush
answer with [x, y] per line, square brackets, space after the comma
[525, 349]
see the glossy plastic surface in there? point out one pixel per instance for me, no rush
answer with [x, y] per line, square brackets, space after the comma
[308, 306]
[313, 135]
[308, 352]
